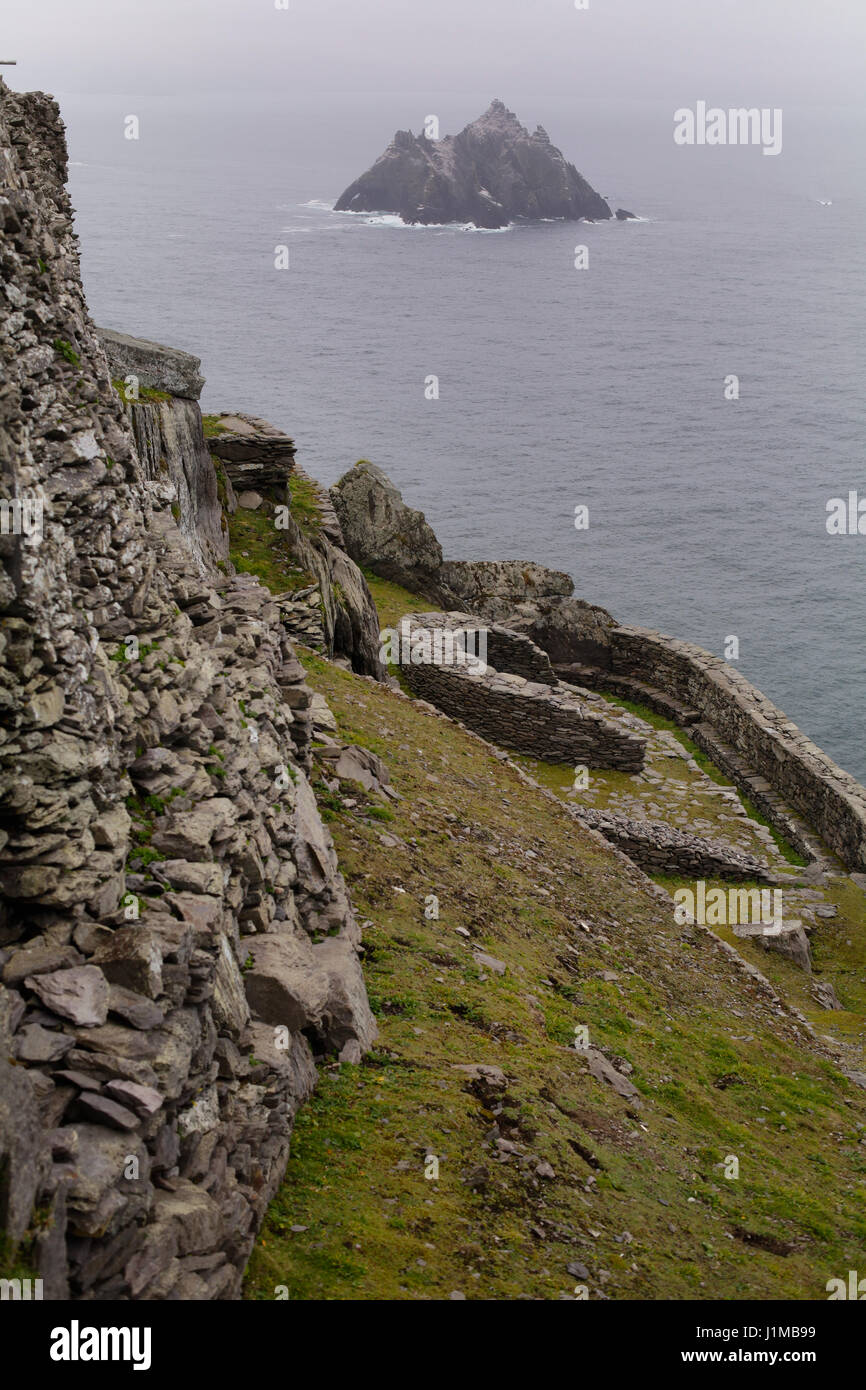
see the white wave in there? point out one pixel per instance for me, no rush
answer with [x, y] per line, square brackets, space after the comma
[391, 219]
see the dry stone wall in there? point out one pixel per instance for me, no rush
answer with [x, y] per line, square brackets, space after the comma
[177, 949]
[710, 692]
[665, 849]
[526, 716]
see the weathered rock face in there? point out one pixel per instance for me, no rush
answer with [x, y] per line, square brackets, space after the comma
[394, 540]
[156, 819]
[174, 456]
[154, 365]
[380, 531]
[493, 172]
[494, 587]
[336, 611]
[351, 622]
[169, 437]
[567, 628]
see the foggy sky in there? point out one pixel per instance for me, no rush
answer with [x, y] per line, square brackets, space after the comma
[757, 52]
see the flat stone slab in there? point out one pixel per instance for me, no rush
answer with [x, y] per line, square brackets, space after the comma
[157, 366]
[79, 994]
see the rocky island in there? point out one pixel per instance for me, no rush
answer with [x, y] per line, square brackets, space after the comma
[491, 174]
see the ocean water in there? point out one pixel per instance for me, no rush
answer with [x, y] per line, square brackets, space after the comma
[557, 387]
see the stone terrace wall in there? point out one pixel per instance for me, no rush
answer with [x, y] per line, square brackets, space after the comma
[507, 650]
[665, 849]
[511, 651]
[827, 797]
[525, 716]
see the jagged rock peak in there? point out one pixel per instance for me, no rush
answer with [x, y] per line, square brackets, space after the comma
[489, 175]
[498, 114]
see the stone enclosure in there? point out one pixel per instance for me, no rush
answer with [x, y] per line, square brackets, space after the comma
[534, 716]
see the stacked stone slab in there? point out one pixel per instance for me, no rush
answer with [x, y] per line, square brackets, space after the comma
[177, 949]
[527, 716]
[665, 849]
[256, 455]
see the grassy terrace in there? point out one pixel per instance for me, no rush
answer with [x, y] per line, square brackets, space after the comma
[146, 394]
[639, 1198]
[213, 426]
[257, 547]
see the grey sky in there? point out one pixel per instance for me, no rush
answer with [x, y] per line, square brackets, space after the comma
[763, 52]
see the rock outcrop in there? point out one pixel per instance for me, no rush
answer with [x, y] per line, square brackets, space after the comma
[395, 541]
[383, 533]
[495, 587]
[489, 175]
[154, 366]
[256, 464]
[177, 948]
[160, 387]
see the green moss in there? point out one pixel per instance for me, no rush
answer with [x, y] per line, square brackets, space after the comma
[67, 352]
[142, 856]
[213, 426]
[305, 504]
[257, 547]
[393, 601]
[147, 395]
[18, 1260]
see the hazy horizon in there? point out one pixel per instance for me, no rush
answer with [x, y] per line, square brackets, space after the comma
[764, 52]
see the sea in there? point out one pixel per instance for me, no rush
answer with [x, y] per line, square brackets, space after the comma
[555, 387]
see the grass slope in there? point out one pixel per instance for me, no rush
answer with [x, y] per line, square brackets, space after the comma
[639, 1205]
